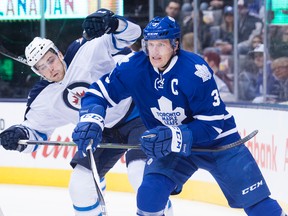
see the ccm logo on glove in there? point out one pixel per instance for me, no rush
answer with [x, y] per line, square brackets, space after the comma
[162, 140]
[176, 143]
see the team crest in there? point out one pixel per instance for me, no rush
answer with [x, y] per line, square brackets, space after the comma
[73, 94]
[203, 72]
[166, 114]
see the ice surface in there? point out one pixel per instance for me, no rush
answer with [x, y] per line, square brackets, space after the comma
[19, 200]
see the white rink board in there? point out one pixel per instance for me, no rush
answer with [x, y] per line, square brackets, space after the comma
[269, 146]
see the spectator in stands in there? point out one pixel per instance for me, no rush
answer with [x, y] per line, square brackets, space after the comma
[222, 36]
[187, 22]
[251, 45]
[215, 4]
[280, 71]
[248, 26]
[188, 42]
[173, 9]
[187, 26]
[256, 41]
[214, 9]
[224, 83]
[279, 42]
[186, 9]
[251, 79]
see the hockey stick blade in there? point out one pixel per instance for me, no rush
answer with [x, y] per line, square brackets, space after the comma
[11, 55]
[137, 146]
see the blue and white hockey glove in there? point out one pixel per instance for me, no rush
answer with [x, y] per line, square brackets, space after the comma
[162, 140]
[89, 130]
[97, 24]
[9, 138]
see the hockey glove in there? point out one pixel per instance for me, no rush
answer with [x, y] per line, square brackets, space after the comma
[89, 130]
[161, 141]
[97, 24]
[10, 137]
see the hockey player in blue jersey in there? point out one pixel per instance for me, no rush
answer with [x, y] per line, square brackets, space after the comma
[179, 103]
[64, 82]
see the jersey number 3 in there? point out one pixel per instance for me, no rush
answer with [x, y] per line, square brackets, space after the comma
[215, 95]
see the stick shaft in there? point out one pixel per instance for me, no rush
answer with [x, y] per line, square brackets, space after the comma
[137, 146]
[96, 180]
[11, 55]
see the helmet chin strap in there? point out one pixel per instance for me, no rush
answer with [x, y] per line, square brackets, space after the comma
[167, 64]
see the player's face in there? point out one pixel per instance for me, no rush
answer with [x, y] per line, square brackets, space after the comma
[51, 66]
[160, 52]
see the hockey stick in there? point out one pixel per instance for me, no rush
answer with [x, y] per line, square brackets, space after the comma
[11, 55]
[96, 179]
[137, 146]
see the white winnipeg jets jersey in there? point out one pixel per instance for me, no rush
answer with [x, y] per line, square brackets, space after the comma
[57, 104]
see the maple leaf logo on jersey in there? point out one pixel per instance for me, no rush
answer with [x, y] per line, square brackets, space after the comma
[203, 72]
[166, 114]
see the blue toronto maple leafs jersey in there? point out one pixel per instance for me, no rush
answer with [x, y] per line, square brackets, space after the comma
[185, 93]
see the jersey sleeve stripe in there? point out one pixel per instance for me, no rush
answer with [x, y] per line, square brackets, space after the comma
[95, 92]
[227, 116]
[105, 93]
[219, 130]
[227, 133]
[209, 118]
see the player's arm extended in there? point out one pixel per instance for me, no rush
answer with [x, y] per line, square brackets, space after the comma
[39, 122]
[9, 138]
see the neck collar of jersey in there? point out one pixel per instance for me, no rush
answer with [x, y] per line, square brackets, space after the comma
[172, 63]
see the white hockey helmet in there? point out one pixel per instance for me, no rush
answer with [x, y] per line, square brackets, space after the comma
[37, 49]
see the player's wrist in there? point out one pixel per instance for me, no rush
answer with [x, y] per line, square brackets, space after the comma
[182, 139]
[93, 118]
[122, 24]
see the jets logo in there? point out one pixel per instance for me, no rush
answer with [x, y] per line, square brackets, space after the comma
[166, 114]
[73, 94]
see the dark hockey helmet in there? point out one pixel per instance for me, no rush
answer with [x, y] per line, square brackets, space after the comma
[162, 28]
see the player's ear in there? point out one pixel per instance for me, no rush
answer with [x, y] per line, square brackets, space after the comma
[176, 47]
[60, 55]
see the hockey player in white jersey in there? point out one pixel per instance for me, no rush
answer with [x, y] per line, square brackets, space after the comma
[179, 103]
[55, 101]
